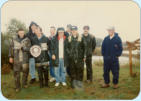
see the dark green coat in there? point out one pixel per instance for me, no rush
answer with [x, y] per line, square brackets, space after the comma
[55, 51]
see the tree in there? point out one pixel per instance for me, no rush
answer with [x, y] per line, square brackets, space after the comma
[14, 25]
[12, 28]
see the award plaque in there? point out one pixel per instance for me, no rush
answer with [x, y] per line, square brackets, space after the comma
[35, 50]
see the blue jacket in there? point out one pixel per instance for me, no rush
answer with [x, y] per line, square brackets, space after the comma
[112, 47]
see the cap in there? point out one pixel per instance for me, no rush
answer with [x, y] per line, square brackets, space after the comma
[111, 28]
[74, 28]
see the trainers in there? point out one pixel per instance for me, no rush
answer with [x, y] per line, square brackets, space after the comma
[64, 84]
[52, 80]
[57, 84]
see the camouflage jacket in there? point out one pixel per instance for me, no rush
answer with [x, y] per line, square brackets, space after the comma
[19, 49]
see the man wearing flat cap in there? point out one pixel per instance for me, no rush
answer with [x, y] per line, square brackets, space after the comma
[90, 44]
[111, 50]
[76, 55]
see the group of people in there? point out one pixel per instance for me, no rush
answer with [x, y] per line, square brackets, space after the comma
[62, 53]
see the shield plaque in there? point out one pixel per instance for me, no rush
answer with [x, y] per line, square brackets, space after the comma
[35, 50]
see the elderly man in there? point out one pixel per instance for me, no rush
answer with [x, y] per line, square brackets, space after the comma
[111, 50]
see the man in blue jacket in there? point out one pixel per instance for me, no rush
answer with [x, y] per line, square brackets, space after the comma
[111, 50]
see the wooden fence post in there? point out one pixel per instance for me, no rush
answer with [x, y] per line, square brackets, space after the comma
[132, 46]
[130, 61]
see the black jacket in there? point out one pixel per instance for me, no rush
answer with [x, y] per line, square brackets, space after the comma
[42, 42]
[76, 48]
[90, 44]
[55, 50]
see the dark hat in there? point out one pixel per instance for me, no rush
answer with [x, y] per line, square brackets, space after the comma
[86, 27]
[74, 28]
[60, 29]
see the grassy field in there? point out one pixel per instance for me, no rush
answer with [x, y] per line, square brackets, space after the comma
[129, 87]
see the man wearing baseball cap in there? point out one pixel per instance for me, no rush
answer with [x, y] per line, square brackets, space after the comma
[76, 55]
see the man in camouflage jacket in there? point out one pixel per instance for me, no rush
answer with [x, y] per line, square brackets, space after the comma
[19, 56]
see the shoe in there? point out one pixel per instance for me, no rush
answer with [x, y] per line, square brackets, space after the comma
[32, 81]
[57, 84]
[115, 86]
[88, 81]
[105, 86]
[52, 80]
[64, 84]
[17, 90]
[25, 86]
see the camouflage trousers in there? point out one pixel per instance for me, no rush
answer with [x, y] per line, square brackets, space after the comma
[18, 68]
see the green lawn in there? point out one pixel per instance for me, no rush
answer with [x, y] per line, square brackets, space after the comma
[129, 87]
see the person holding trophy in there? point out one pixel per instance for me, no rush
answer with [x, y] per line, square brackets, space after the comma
[39, 51]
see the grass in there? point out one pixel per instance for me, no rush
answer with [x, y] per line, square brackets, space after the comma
[129, 87]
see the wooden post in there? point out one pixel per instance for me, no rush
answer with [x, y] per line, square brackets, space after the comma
[130, 61]
[132, 46]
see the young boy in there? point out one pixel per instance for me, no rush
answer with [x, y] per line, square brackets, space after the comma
[42, 61]
[19, 56]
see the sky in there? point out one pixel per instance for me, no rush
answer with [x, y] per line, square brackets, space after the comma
[99, 15]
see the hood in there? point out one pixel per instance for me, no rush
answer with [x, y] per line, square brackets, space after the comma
[32, 23]
[60, 28]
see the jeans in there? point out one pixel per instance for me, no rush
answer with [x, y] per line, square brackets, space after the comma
[51, 67]
[60, 72]
[32, 68]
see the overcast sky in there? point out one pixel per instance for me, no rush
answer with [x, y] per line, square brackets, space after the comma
[124, 15]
